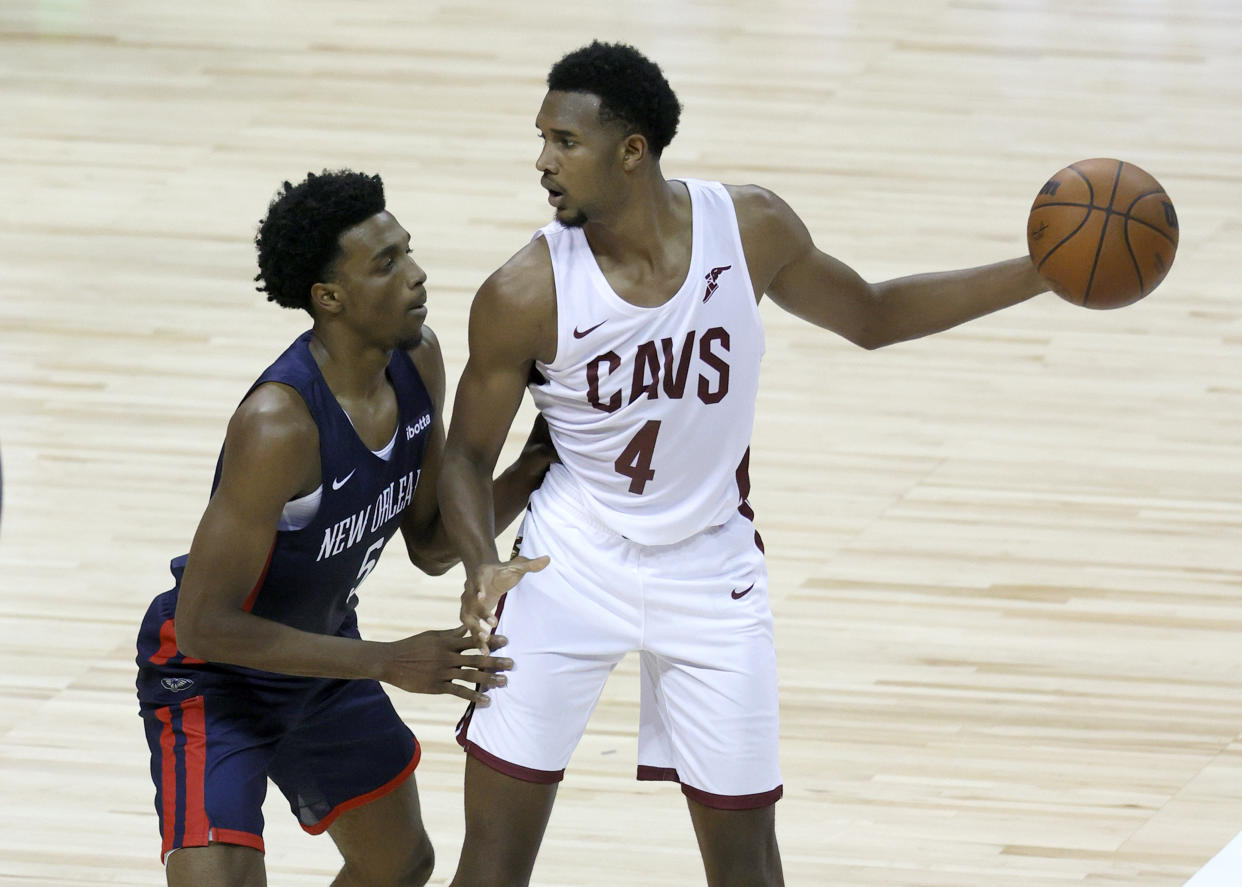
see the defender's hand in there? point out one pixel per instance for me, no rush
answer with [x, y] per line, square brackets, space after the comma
[436, 661]
[484, 590]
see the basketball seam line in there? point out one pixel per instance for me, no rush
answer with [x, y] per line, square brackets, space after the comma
[1099, 247]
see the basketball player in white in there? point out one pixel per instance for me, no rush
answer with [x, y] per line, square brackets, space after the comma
[633, 320]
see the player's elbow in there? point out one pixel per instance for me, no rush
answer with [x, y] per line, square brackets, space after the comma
[432, 560]
[433, 566]
[194, 635]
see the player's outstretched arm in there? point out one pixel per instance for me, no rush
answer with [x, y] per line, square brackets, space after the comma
[426, 541]
[271, 455]
[512, 322]
[816, 287]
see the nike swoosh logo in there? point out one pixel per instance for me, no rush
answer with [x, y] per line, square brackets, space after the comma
[738, 595]
[337, 483]
[578, 334]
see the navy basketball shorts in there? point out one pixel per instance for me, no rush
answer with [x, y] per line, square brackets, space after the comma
[217, 734]
[697, 614]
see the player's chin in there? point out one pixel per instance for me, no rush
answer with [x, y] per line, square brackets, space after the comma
[411, 336]
[571, 218]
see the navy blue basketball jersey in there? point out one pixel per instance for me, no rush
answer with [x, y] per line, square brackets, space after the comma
[312, 574]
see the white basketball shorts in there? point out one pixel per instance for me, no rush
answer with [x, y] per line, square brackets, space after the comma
[696, 611]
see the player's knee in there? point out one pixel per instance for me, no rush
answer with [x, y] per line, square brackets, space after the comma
[417, 866]
[405, 866]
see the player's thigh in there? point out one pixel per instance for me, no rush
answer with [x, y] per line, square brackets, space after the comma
[383, 842]
[350, 749]
[713, 727]
[217, 865]
[710, 706]
[568, 626]
[209, 759]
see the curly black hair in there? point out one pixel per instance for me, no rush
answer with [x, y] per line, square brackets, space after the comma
[298, 240]
[631, 89]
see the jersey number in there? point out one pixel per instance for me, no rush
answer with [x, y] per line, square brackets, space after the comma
[635, 460]
[368, 564]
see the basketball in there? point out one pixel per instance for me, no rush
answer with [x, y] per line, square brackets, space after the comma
[1102, 232]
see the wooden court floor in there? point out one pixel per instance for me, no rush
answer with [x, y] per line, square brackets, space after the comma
[1006, 561]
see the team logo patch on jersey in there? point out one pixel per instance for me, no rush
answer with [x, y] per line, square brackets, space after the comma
[517, 548]
[176, 685]
[712, 277]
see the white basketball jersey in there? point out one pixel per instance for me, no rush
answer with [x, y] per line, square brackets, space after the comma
[651, 409]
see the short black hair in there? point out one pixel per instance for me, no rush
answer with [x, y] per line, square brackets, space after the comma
[298, 240]
[631, 89]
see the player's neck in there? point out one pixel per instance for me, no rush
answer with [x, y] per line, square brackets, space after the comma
[655, 215]
[352, 369]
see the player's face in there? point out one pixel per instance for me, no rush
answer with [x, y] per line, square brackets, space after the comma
[383, 286]
[581, 157]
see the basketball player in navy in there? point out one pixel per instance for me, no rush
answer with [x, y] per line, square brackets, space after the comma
[252, 666]
[633, 320]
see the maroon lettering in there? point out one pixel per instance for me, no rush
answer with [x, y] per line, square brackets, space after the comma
[716, 362]
[613, 361]
[675, 374]
[646, 373]
[635, 460]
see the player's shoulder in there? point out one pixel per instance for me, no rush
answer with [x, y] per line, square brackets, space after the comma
[272, 430]
[768, 225]
[524, 284]
[757, 205]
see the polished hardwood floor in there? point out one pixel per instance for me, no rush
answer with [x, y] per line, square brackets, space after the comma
[1006, 560]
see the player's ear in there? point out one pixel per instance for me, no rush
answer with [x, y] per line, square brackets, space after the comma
[634, 149]
[325, 299]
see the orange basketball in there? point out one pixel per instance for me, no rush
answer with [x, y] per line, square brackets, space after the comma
[1103, 233]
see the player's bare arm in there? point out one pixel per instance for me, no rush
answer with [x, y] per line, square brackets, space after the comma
[512, 323]
[785, 263]
[428, 544]
[271, 455]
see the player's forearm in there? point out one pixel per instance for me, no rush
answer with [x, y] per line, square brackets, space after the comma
[235, 637]
[911, 307]
[511, 490]
[467, 509]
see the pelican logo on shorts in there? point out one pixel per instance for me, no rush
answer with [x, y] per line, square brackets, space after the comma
[517, 548]
[176, 685]
[711, 278]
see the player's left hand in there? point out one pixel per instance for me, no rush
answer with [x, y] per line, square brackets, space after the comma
[438, 662]
[484, 590]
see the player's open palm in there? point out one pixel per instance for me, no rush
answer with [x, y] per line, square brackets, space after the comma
[437, 662]
[484, 590]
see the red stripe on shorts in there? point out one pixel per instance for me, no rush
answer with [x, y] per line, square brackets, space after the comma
[168, 646]
[232, 836]
[194, 728]
[168, 787]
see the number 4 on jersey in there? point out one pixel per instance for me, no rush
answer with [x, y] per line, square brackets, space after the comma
[635, 460]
